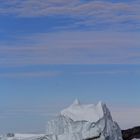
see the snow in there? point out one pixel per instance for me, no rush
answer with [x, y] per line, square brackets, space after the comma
[24, 136]
[19, 136]
[79, 112]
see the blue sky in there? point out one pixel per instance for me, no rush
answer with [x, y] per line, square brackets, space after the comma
[53, 51]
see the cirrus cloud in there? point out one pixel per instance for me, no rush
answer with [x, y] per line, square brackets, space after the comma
[73, 48]
[90, 13]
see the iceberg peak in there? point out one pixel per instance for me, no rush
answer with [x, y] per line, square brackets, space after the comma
[85, 112]
[76, 102]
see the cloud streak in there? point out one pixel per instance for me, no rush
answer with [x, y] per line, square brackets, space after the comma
[86, 13]
[30, 74]
[73, 48]
[23, 112]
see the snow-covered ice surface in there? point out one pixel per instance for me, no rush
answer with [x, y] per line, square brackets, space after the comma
[79, 112]
[78, 122]
[18, 136]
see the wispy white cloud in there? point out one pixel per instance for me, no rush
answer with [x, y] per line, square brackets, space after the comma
[4, 49]
[30, 74]
[73, 48]
[104, 72]
[86, 13]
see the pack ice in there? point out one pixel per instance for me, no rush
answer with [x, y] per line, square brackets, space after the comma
[83, 122]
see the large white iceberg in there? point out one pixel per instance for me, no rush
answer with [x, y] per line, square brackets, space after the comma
[81, 122]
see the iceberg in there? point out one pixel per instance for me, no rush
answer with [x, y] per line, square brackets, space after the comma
[77, 122]
[83, 122]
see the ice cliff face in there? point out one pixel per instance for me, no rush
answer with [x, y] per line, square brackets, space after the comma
[80, 122]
